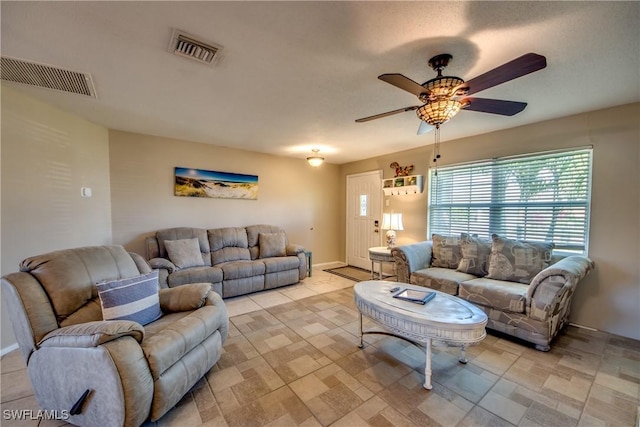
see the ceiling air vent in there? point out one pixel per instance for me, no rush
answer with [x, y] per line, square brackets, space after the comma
[186, 45]
[34, 74]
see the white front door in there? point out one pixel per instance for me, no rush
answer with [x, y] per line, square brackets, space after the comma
[364, 216]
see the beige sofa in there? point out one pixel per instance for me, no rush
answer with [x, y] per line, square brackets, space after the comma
[235, 260]
[530, 301]
[133, 373]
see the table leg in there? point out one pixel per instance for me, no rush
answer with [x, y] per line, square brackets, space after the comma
[463, 354]
[380, 272]
[372, 271]
[361, 345]
[427, 366]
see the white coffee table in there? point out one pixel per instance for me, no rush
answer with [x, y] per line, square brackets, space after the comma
[445, 318]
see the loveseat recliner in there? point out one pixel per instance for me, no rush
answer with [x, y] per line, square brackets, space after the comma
[526, 293]
[235, 260]
[132, 372]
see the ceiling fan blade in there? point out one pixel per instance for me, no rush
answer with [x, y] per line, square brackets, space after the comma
[404, 83]
[388, 113]
[511, 70]
[424, 128]
[495, 106]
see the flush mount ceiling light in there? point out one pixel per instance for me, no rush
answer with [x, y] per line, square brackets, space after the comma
[315, 160]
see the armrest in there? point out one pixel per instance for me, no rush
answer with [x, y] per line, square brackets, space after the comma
[141, 263]
[185, 297]
[554, 286]
[293, 249]
[214, 299]
[92, 334]
[162, 263]
[569, 271]
[410, 258]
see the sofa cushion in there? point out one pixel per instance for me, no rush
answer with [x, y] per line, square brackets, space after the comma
[171, 337]
[253, 236]
[273, 265]
[272, 245]
[195, 275]
[518, 261]
[184, 253]
[242, 269]
[475, 255]
[184, 298]
[135, 298]
[228, 244]
[69, 276]
[179, 233]
[446, 251]
[498, 294]
[440, 279]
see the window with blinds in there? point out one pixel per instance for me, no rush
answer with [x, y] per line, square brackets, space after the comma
[541, 197]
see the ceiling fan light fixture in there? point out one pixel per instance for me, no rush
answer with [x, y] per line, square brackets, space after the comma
[315, 160]
[442, 86]
[438, 112]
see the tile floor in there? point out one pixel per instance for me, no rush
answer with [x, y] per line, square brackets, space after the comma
[292, 359]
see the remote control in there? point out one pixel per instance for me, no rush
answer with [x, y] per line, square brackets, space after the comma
[394, 289]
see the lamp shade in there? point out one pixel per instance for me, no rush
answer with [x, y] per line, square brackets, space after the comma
[392, 221]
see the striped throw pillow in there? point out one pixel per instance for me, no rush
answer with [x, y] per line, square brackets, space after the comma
[135, 298]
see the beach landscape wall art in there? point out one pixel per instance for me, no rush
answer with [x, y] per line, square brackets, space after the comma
[223, 185]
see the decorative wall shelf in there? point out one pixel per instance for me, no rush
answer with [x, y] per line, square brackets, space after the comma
[412, 184]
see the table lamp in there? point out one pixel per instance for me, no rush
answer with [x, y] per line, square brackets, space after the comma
[392, 222]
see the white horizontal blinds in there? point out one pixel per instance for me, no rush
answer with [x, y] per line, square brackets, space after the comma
[542, 197]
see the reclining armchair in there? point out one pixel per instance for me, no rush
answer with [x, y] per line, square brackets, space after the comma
[111, 372]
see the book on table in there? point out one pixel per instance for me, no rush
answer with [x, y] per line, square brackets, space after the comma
[413, 295]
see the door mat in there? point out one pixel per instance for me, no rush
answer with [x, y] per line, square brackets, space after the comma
[356, 274]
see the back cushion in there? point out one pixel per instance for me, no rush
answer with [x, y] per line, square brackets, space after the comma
[228, 244]
[181, 233]
[253, 237]
[69, 276]
[446, 251]
[518, 260]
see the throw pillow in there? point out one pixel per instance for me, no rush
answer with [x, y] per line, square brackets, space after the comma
[446, 251]
[475, 255]
[272, 245]
[184, 253]
[518, 261]
[135, 298]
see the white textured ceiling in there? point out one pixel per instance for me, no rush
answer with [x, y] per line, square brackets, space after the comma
[295, 75]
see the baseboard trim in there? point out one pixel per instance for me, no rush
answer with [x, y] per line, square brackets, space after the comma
[333, 263]
[9, 349]
[583, 327]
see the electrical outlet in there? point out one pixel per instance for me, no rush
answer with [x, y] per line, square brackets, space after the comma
[85, 191]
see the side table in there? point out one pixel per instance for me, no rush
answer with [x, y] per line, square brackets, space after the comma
[380, 254]
[309, 257]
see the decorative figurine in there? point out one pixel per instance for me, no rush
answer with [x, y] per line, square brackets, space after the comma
[401, 171]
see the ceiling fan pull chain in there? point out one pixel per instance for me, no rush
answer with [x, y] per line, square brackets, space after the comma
[436, 148]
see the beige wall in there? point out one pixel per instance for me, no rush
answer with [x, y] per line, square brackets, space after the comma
[609, 298]
[47, 156]
[291, 194]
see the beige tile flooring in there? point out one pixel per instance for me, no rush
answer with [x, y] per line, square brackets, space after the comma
[292, 359]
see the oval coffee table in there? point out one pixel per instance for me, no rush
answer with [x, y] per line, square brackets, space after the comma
[445, 318]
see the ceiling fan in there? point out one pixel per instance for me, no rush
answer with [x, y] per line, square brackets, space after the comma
[444, 96]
